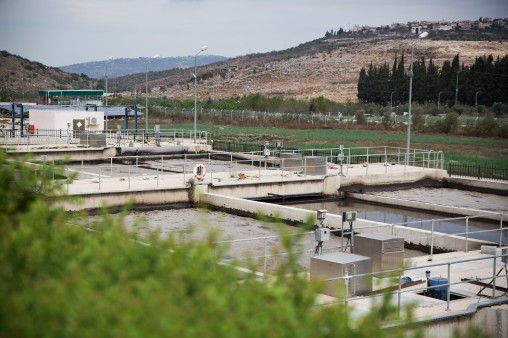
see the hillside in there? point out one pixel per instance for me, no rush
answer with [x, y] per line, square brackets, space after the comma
[328, 68]
[21, 78]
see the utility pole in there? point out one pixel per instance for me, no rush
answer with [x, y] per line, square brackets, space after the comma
[457, 87]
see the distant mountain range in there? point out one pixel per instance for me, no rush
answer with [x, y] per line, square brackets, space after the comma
[125, 66]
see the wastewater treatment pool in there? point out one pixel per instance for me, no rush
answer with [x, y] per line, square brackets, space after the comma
[198, 222]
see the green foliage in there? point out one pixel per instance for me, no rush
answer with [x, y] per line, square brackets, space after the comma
[360, 117]
[499, 109]
[417, 118]
[448, 124]
[484, 82]
[387, 120]
[62, 275]
[487, 126]
[5, 94]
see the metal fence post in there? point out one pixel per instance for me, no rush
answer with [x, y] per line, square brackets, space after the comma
[448, 289]
[501, 231]
[347, 290]
[184, 181]
[467, 233]
[264, 257]
[432, 240]
[494, 278]
[398, 293]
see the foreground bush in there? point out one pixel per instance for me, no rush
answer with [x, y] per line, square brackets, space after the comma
[61, 276]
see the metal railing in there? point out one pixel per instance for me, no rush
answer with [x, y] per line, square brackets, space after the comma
[356, 155]
[477, 171]
[261, 252]
[40, 136]
[220, 168]
[261, 246]
[399, 291]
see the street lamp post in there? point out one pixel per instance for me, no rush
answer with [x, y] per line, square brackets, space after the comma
[457, 87]
[146, 89]
[476, 99]
[106, 76]
[408, 143]
[391, 100]
[438, 100]
[196, 90]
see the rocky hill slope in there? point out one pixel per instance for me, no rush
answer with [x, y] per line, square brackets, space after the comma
[327, 68]
[21, 77]
[324, 67]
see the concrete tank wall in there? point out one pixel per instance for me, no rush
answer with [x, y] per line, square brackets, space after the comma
[296, 215]
[492, 321]
[120, 199]
[256, 189]
[393, 177]
[426, 206]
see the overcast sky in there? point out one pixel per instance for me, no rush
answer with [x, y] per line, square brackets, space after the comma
[64, 32]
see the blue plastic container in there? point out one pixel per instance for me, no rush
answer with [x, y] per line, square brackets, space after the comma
[440, 287]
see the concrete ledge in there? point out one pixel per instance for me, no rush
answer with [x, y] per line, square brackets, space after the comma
[394, 177]
[278, 185]
[99, 200]
[418, 237]
[86, 154]
[483, 185]
[491, 316]
[426, 206]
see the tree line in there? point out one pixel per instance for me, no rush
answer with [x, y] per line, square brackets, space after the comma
[483, 83]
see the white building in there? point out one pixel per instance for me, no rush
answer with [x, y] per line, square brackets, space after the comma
[84, 120]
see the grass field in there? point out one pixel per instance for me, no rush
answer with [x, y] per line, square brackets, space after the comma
[483, 151]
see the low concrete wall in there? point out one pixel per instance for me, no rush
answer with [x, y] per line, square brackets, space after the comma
[393, 177]
[295, 215]
[119, 199]
[489, 186]
[492, 321]
[279, 186]
[426, 206]
[87, 154]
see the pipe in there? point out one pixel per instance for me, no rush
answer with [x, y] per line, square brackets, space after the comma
[152, 150]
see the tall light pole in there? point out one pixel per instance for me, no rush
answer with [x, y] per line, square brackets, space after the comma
[421, 36]
[106, 76]
[391, 101]
[146, 89]
[196, 90]
[476, 99]
[457, 87]
[438, 100]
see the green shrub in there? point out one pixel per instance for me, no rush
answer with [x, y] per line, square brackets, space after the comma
[448, 123]
[387, 120]
[499, 108]
[62, 275]
[486, 126]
